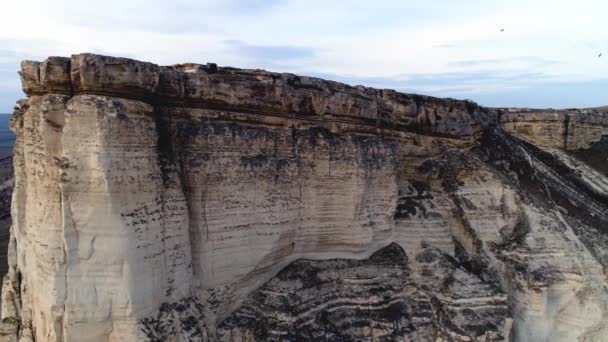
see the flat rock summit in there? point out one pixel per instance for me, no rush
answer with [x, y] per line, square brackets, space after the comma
[203, 203]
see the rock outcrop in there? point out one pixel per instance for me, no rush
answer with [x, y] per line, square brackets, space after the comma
[203, 203]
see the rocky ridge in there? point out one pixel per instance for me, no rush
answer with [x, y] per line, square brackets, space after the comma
[203, 203]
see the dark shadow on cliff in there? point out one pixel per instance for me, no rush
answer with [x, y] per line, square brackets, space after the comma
[6, 190]
[596, 156]
[380, 298]
[545, 179]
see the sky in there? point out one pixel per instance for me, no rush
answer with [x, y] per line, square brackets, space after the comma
[524, 53]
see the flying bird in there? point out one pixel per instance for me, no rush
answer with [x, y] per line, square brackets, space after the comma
[502, 30]
[600, 55]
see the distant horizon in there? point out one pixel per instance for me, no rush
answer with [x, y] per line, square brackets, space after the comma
[530, 54]
[490, 99]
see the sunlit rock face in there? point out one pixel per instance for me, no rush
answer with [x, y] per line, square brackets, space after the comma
[571, 130]
[202, 203]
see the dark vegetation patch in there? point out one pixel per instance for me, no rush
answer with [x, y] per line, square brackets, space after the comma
[412, 203]
[165, 147]
[392, 254]
[182, 318]
[448, 168]
[596, 156]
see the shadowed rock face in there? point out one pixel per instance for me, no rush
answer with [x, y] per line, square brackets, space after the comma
[203, 203]
[379, 298]
[6, 187]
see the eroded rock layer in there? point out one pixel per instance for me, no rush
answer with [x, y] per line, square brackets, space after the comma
[202, 203]
[379, 298]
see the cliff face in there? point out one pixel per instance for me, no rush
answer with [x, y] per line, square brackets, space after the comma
[200, 203]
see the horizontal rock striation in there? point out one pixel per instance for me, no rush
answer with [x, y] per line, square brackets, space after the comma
[378, 298]
[251, 91]
[573, 129]
[204, 203]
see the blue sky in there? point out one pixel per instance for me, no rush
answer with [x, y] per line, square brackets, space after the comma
[547, 55]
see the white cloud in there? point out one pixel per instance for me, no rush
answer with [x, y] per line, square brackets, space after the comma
[363, 39]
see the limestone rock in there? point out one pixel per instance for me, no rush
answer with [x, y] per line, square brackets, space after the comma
[50, 76]
[572, 129]
[203, 203]
[112, 75]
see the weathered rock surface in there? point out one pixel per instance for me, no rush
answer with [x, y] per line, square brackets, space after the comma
[379, 298]
[202, 203]
[573, 129]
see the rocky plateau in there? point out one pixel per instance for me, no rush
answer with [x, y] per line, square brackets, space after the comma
[203, 203]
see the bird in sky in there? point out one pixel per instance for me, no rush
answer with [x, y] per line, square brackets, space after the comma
[502, 30]
[600, 55]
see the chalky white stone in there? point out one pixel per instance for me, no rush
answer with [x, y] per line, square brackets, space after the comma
[202, 203]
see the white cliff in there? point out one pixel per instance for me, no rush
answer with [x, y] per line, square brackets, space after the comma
[200, 203]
